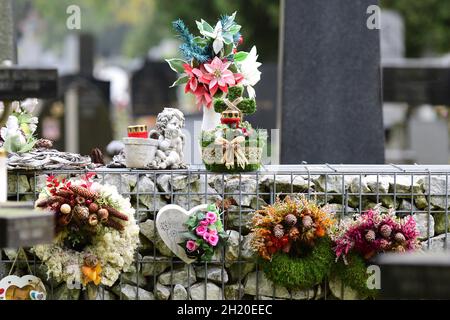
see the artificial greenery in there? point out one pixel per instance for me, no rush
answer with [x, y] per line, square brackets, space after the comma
[354, 275]
[304, 271]
[191, 48]
[247, 106]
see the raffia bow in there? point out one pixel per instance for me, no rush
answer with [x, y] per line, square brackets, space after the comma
[231, 150]
[233, 104]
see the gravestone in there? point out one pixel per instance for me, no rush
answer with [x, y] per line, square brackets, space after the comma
[150, 91]
[392, 35]
[330, 90]
[7, 47]
[79, 119]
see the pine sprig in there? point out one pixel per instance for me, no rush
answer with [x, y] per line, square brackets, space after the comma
[190, 49]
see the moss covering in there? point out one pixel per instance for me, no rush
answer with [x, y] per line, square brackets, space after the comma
[247, 106]
[222, 168]
[301, 272]
[354, 275]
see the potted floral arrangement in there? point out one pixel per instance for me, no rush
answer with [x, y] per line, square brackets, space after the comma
[218, 75]
[359, 240]
[292, 238]
[205, 234]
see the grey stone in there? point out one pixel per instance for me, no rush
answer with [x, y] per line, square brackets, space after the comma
[302, 294]
[436, 189]
[167, 182]
[213, 273]
[343, 292]
[258, 203]
[232, 249]
[161, 292]
[134, 278]
[184, 276]
[247, 253]
[286, 183]
[179, 293]
[239, 220]
[124, 182]
[238, 271]
[242, 190]
[148, 229]
[378, 185]
[234, 291]
[333, 183]
[422, 225]
[437, 243]
[152, 266]
[406, 206]
[98, 293]
[358, 185]
[195, 195]
[439, 222]
[18, 184]
[404, 185]
[265, 286]
[211, 292]
[64, 293]
[40, 184]
[129, 292]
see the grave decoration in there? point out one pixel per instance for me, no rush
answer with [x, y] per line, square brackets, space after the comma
[161, 149]
[292, 238]
[96, 233]
[357, 241]
[194, 235]
[216, 73]
[27, 287]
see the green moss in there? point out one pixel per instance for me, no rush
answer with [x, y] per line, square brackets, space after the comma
[236, 169]
[247, 106]
[354, 275]
[301, 272]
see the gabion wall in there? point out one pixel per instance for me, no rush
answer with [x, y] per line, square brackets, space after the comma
[234, 274]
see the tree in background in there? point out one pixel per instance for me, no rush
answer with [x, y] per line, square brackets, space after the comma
[427, 24]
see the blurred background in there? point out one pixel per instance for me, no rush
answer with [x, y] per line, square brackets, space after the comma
[116, 63]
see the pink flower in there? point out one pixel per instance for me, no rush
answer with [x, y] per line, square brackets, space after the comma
[204, 223]
[217, 76]
[191, 245]
[211, 217]
[192, 84]
[201, 230]
[213, 239]
[206, 236]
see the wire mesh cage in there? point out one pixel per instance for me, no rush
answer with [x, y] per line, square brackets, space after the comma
[235, 274]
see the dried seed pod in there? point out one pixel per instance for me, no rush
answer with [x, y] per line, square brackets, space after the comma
[49, 201]
[65, 209]
[370, 236]
[400, 237]
[65, 193]
[93, 207]
[93, 220]
[84, 192]
[90, 261]
[64, 220]
[114, 224]
[116, 213]
[80, 200]
[307, 222]
[81, 213]
[103, 214]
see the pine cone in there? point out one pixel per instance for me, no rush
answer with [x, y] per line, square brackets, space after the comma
[307, 222]
[43, 144]
[370, 236]
[51, 200]
[400, 237]
[278, 231]
[81, 213]
[290, 219]
[83, 192]
[115, 213]
[386, 231]
[294, 234]
[65, 193]
[97, 156]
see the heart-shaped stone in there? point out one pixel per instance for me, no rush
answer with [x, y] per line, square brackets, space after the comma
[170, 223]
[20, 288]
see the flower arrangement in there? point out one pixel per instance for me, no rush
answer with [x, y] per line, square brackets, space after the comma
[370, 233]
[18, 134]
[96, 233]
[374, 232]
[205, 234]
[292, 238]
[211, 62]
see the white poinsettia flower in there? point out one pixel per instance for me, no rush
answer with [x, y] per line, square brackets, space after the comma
[249, 70]
[29, 105]
[217, 36]
[12, 131]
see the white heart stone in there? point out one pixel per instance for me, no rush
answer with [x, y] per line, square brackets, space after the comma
[170, 223]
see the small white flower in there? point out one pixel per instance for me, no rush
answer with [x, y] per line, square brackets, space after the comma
[249, 70]
[29, 105]
[217, 36]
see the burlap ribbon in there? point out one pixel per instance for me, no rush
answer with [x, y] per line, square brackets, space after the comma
[231, 150]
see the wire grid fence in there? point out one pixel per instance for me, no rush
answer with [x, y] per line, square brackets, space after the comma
[345, 186]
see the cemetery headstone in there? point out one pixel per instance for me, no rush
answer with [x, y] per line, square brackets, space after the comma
[150, 91]
[392, 35]
[331, 83]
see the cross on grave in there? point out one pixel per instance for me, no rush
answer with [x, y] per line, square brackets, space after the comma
[19, 224]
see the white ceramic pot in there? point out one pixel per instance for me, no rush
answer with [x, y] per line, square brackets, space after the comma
[139, 152]
[211, 119]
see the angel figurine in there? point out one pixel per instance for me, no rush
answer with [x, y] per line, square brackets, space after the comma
[170, 140]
